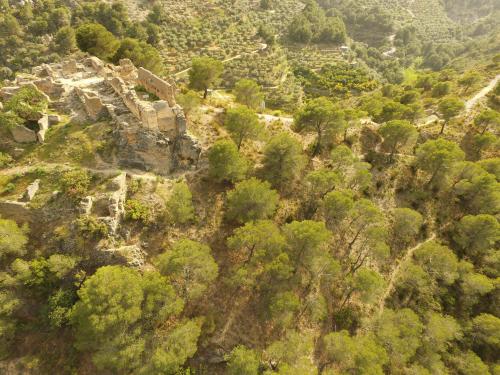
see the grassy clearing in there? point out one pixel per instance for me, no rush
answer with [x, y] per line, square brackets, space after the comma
[70, 143]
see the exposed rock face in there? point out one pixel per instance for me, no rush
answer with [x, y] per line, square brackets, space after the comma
[144, 149]
[153, 151]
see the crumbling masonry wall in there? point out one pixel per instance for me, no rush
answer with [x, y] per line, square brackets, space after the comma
[156, 85]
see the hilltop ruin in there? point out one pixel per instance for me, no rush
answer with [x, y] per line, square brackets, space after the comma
[149, 128]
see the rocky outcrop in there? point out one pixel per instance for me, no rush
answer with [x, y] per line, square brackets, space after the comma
[152, 151]
[144, 149]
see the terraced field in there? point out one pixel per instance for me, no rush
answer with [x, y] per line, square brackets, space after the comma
[219, 28]
[428, 16]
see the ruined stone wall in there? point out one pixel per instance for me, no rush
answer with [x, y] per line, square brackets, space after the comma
[153, 115]
[156, 85]
[92, 102]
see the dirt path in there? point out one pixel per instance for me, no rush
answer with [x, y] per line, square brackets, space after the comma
[471, 103]
[235, 312]
[410, 12]
[393, 49]
[395, 273]
[287, 121]
[22, 169]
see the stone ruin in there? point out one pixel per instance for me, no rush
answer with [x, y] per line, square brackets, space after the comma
[109, 207]
[19, 210]
[151, 134]
[23, 133]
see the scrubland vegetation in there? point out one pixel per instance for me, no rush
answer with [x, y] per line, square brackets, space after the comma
[342, 217]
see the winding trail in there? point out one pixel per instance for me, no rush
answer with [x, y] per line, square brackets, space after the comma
[22, 169]
[471, 103]
[393, 49]
[395, 273]
[287, 121]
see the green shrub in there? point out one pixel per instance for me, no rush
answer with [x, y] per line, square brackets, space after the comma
[91, 227]
[136, 210]
[180, 208]
[96, 40]
[140, 53]
[26, 103]
[75, 183]
[5, 159]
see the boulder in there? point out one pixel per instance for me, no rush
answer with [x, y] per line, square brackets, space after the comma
[22, 134]
[54, 119]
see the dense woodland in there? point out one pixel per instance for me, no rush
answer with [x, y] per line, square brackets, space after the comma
[342, 218]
